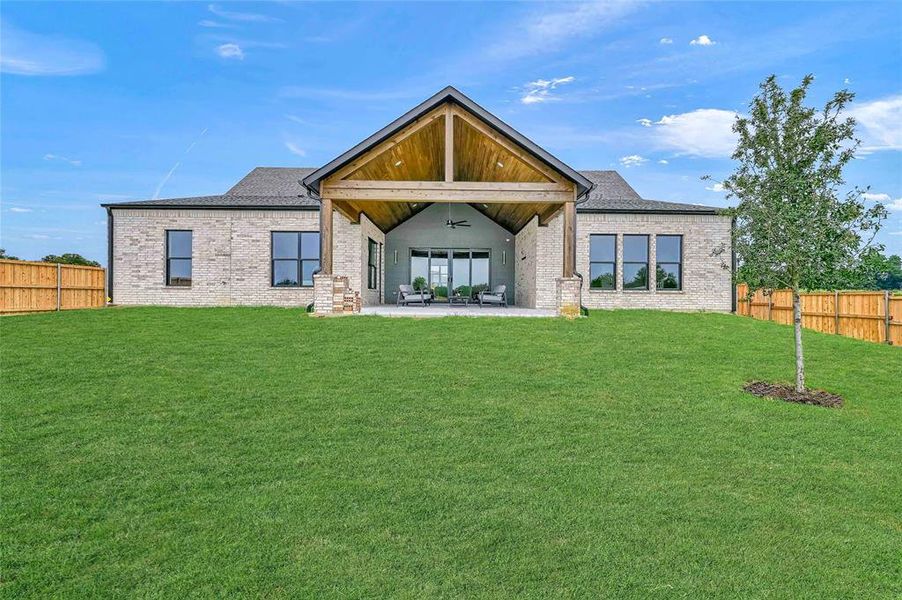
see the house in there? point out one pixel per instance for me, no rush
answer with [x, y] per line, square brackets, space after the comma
[447, 196]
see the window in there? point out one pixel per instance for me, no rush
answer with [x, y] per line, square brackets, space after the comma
[603, 262]
[669, 259]
[372, 259]
[295, 256]
[178, 258]
[635, 262]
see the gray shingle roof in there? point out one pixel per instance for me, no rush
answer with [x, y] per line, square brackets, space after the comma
[279, 187]
[613, 194]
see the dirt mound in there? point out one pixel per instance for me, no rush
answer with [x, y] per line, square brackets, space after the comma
[789, 394]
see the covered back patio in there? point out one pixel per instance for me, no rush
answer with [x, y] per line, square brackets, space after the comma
[450, 199]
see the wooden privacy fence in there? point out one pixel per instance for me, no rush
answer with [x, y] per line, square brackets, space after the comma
[871, 316]
[38, 286]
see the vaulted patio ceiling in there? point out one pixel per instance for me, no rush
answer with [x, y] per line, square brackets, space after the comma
[449, 150]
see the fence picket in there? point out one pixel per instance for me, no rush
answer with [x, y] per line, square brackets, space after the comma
[871, 316]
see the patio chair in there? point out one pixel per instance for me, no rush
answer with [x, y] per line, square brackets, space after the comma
[497, 297]
[407, 295]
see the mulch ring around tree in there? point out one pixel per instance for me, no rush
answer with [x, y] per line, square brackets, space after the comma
[789, 394]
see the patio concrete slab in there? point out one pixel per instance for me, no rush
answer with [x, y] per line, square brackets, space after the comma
[444, 310]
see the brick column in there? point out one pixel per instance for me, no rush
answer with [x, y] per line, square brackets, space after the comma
[333, 296]
[568, 297]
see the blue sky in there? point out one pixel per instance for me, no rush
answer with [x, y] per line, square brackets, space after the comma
[127, 101]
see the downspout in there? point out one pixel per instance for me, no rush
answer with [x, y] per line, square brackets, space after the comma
[109, 255]
[583, 310]
[310, 307]
[733, 265]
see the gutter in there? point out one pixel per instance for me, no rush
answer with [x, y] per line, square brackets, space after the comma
[638, 211]
[109, 255]
[733, 291]
[206, 207]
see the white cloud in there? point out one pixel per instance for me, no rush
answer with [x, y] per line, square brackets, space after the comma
[230, 51]
[295, 149]
[666, 40]
[717, 187]
[544, 31]
[209, 23]
[876, 197]
[702, 40]
[633, 160]
[241, 16]
[846, 81]
[540, 89]
[895, 232]
[26, 53]
[706, 132]
[663, 162]
[36, 236]
[18, 209]
[879, 123]
[644, 122]
[895, 205]
[72, 161]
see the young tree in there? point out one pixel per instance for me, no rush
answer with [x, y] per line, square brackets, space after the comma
[794, 227]
[6, 256]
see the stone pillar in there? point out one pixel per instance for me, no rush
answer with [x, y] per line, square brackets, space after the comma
[568, 297]
[332, 296]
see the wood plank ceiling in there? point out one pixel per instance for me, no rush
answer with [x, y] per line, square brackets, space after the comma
[480, 154]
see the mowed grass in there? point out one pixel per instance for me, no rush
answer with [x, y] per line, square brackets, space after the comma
[263, 453]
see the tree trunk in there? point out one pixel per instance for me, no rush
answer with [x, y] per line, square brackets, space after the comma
[797, 324]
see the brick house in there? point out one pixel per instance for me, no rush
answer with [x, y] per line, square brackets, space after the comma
[447, 197]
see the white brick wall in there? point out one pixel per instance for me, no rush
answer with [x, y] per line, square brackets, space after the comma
[540, 261]
[525, 265]
[706, 284]
[350, 254]
[231, 253]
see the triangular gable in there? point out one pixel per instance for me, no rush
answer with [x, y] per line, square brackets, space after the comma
[498, 152]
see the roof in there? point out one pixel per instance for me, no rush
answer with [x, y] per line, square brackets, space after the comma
[613, 194]
[450, 93]
[263, 188]
[280, 187]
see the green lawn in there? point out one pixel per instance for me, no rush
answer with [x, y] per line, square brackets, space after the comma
[261, 452]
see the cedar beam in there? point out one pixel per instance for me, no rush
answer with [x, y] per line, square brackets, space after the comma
[449, 144]
[347, 209]
[325, 236]
[569, 239]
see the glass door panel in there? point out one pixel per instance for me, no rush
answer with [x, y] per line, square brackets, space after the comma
[479, 278]
[419, 268]
[460, 272]
[439, 274]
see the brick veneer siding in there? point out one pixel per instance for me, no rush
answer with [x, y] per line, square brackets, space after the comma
[706, 284]
[540, 262]
[231, 254]
[525, 265]
[349, 242]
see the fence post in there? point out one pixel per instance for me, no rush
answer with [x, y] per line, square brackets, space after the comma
[836, 310]
[770, 306]
[59, 281]
[888, 316]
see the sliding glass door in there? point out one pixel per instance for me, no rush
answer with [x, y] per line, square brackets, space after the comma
[458, 272]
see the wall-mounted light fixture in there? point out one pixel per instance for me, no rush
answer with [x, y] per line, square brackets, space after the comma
[504, 257]
[396, 257]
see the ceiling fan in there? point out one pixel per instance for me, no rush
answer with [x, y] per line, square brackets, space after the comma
[452, 224]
